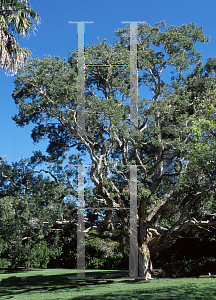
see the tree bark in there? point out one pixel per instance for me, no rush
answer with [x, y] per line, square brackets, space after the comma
[144, 263]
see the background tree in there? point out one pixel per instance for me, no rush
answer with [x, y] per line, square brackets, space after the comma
[33, 214]
[16, 18]
[172, 189]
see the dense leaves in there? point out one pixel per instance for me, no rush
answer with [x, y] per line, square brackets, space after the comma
[32, 209]
[175, 133]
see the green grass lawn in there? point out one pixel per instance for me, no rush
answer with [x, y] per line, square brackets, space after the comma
[47, 284]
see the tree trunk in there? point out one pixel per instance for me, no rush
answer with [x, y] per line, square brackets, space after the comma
[144, 264]
[27, 265]
[144, 261]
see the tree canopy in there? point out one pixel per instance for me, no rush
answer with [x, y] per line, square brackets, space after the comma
[175, 189]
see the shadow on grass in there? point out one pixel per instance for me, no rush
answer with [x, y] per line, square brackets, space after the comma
[16, 270]
[23, 284]
[146, 291]
[128, 289]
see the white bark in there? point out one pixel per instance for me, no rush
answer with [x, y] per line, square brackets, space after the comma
[145, 264]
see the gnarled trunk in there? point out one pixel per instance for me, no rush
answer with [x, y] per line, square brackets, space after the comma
[144, 262]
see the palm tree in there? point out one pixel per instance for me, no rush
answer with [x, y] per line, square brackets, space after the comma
[16, 17]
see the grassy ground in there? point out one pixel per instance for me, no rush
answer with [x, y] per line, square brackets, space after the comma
[53, 284]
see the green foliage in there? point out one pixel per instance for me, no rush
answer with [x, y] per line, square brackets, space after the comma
[41, 254]
[204, 129]
[36, 253]
[102, 254]
[30, 206]
[68, 244]
[174, 148]
[191, 267]
[16, 17]
[4, 263]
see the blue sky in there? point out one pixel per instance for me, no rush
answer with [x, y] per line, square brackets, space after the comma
[55, 36]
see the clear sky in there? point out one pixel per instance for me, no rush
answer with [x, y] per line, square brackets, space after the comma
[55, 36]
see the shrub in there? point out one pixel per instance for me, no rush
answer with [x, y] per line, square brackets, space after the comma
[4, 263]
[190, 267]
[101, 254]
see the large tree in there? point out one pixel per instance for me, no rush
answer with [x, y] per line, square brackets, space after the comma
[175, 190]
[16, 18]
